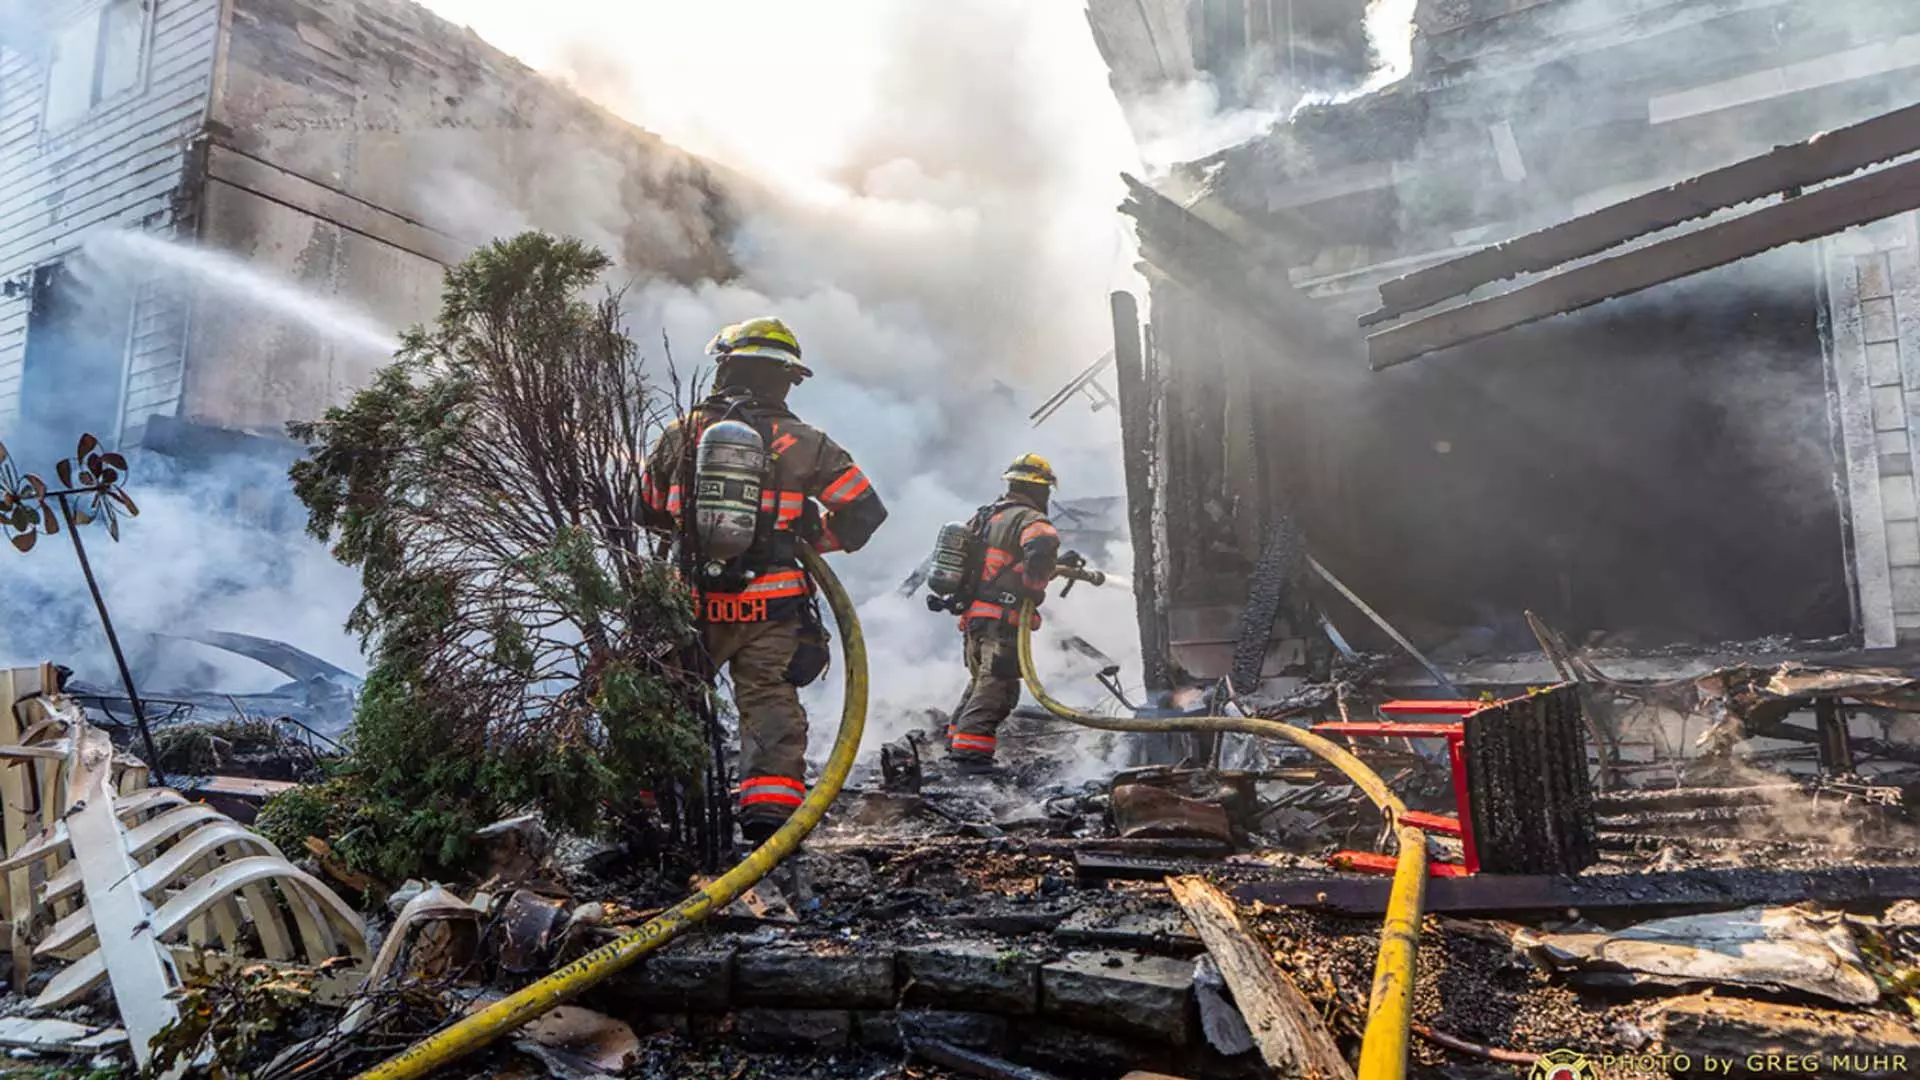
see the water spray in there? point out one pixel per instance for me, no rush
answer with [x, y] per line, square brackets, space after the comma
[244, 283]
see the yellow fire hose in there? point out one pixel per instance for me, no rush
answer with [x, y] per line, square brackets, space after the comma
[1383, 1049]
[509, 1013]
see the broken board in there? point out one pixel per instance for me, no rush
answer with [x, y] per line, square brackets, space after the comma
[1292, 1038]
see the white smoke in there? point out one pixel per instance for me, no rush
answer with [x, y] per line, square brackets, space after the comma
[1390, 29]
[1186, 121]
[940, 231]
[197, 557]
[941, 235]
[216, 547]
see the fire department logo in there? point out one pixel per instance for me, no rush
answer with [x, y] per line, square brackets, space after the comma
[1562, 1065]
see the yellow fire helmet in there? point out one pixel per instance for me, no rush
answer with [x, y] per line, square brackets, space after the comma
[765, 338]
[1033, 469]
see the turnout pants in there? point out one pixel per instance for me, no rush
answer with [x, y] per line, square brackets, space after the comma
[773, 727]
[993, 662]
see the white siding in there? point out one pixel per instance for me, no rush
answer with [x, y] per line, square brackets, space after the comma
[123, 165]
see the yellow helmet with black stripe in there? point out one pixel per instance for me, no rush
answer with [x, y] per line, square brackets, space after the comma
[1032, 469]
[765, 338]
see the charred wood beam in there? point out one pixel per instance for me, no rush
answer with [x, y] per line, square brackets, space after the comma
[1869, 198]
[1724, 888]
[1633, 802]
[971, 1062]
[1275, 580]
[1706, 818]
[1201, 257]
[1138, 396]
[1860, 745]
[1650, 843]
[1825, 157]
[1836, 751]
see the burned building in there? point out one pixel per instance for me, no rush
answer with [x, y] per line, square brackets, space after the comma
[1697, 434]
[353, 149]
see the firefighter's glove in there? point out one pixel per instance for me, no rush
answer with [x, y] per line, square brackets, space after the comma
[811, 658]
[809, 526]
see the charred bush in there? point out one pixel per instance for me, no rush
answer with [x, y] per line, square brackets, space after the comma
[523, 641]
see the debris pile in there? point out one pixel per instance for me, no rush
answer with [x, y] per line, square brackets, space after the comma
[1182, 919]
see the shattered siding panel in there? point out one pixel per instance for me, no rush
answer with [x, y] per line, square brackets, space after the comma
[13, 341]
[156, 351]
[124, 165]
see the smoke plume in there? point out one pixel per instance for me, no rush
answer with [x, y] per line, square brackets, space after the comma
[1191, 119]
[934, 216]
[939, 230]
[212, 549]
[216, 546]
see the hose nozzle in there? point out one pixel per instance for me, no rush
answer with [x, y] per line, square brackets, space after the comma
[1073, 567]
[950, 605]
[1090, 576]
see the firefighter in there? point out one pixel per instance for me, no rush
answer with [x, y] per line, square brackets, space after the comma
[1020, 549]
[756, 612]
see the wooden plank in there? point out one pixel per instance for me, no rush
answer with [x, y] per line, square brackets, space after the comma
[1718, 888]
[1292, 1038]
[1844, 1043]
[1827, 157]
[57, 1036]
[1868, 198]
[16, 887]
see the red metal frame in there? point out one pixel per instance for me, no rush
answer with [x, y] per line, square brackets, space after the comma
[1368, 862]
[1432, 708]
[1455, 733]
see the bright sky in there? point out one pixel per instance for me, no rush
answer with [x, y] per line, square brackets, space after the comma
[999, 110]
[747, 82]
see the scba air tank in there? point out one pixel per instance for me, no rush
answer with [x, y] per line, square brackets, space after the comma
[728, 471]
[953, 551]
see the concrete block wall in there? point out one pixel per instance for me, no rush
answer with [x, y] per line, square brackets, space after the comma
[1873, 279]
[1103, 1008]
